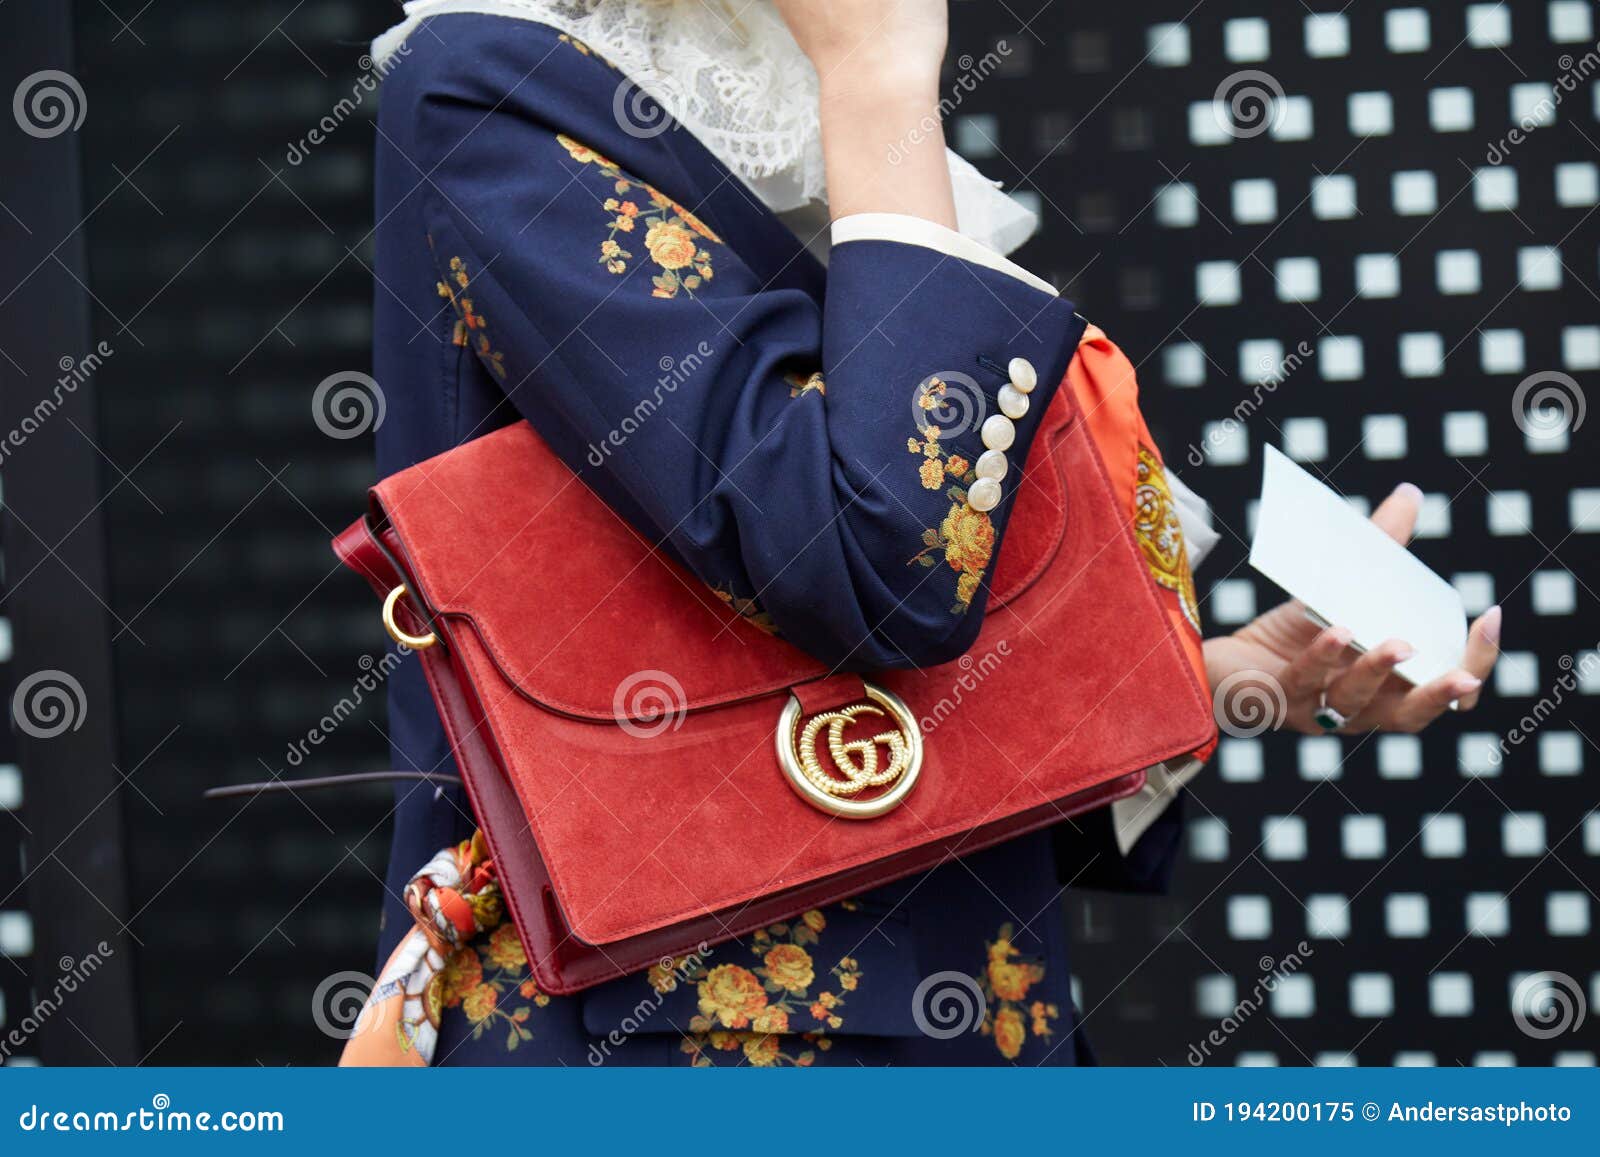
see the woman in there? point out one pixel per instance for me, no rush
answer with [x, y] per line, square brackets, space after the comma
[552, 245]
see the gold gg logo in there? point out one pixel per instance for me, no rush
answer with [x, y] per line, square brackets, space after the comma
[856, 766]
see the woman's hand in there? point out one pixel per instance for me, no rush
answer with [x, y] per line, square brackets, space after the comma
[1287, 648]
[850, 40]
[877, 65]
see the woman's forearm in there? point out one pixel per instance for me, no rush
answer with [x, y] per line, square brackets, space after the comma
[883, 145]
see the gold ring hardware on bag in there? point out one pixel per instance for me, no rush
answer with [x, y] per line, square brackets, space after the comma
[856, 763]
[415, 642]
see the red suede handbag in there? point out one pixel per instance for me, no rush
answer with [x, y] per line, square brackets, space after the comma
[623, 835]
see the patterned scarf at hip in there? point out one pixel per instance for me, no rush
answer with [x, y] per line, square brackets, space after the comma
[453, 900]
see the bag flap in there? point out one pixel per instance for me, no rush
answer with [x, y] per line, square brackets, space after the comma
[577, 624]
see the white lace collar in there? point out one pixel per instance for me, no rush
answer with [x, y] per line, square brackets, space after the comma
[740, 84]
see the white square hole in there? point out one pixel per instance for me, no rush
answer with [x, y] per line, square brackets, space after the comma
[1570, 21]
[1450, 994]
[1560, 753]
[1522, 834]
[1239, 760]
[1206, 125]
[1488, 914]
[1378, 275]
[1450, 110]
[1510, 512]
[1583, 510]
[1406, 29]
[1321, 757]
[1577, 184]
[1533, 105]
[1246, 39]
[1433, 520]
[1538, 268]
[1421, 355]
[1415, 1059]
[1478, 754]
[1580, 347]
[16, 934]
[1176, 205]
[1249, 917]
[1208, 840]
[1405, 915]
[1216, 283]
[1294, 996]
[1567, 913]
[1383, 436]
[1293, 121]
[1340, 358]
[1494, 190]
[1327, 917]
[10, 787]
[1517, 673]
[1260, 359]
[1283, 837]
[1327, 34]
[1488, 25]
[1232, 601]
[1554, 592]
[1414, 192]
[1371, 114]
[1298, 279]
[1500, 351]
[1226, 443]
[1333, 197]
[1183, 363]
[1476, 589]
[1254, 201]
[1363, 837]
[1371, 994]
[1168, 45]
[1305, 439]
[1444, 836]
[1458, 271]
[1399, 756]
[1214, 996]
[1466, 433]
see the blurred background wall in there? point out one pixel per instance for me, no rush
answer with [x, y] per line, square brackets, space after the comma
[1352, 233]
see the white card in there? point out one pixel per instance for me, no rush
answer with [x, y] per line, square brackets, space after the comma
[1349, 573]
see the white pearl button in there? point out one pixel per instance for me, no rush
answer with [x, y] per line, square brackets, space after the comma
[1013, 402]
[998, 432]
[991, 464]
[1022, 375]
[984, 494]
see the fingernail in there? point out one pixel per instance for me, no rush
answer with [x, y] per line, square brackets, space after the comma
[1468, 685]
[1409, 490]
[1342, 636]
[1403, 652]
[1491, 624]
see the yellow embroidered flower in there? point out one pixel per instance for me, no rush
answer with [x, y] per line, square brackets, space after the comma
[663, 975]
[956, 466]
[479, 1004]
[732, 995]
[967, 586]
[913, 445]
[582, 153]
[505, 949]
[461, 974]
[1011, 980]
[1010, 1034]
[814, 920]
[761, 1050]
[848, 981]
[790, 967]
[968, 537]
[670, 244]
[932, 473]
[770, 1019]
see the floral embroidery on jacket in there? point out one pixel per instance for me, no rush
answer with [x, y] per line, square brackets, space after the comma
[966, 536]
[749, 1009]
[672, 234]
[471, 330]
[801, 385]
[483, 977]
[1160, 534]
[1009, 1016]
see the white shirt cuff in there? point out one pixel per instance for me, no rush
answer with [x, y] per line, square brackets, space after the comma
[1194, 516]
[1133, 815]
[908, 230]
